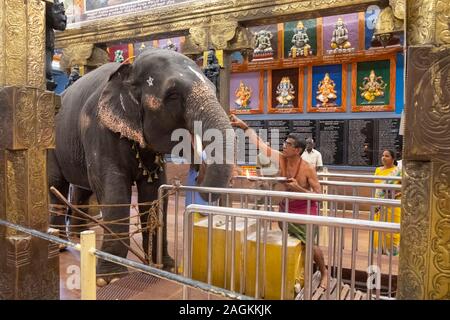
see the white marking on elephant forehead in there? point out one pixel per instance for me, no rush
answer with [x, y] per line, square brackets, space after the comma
[181, 74]
[198, 74]
[121, 102]
[150, 81]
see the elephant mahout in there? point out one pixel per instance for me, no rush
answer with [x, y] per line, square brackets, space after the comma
[115, 122]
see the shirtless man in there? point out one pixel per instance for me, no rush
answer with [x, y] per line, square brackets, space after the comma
[302, 177]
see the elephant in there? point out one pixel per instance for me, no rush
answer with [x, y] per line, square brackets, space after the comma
[119, 118]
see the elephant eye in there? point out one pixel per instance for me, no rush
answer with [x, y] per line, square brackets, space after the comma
[172, 96]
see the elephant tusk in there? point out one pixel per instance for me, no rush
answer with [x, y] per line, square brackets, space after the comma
[198, 149]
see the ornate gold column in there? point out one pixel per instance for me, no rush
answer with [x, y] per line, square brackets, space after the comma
[29, 267]
[424, 270]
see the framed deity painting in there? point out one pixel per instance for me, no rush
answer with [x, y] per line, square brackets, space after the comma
[327, 88]
[246, 92]
[121, 53]
[173, 44]
[373, 86]
[341, 33]
[285, 91]
[139, 47]
[265, 43]
[300, 39]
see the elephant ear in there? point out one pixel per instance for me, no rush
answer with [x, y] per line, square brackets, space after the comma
[118, 109]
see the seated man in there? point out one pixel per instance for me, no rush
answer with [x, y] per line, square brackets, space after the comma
[301, 176]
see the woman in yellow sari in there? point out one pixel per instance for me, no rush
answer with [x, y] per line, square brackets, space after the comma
[388, 241]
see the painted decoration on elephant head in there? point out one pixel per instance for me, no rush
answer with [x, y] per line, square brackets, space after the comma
[245, 91]
[300, 38]
[120, 52]
[340, 34]
[327, 88]
[285, 94]
[265, 43]
[173, 44]
[373, 86]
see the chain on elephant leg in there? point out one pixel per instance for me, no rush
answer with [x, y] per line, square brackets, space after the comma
[152, 225]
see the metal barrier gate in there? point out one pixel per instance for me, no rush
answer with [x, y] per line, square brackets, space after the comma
[334, 238]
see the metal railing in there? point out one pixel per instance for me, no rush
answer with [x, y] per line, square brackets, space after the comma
[244, 194]
[88, 252]
[357, 176]
[333, 186]
[334, 224]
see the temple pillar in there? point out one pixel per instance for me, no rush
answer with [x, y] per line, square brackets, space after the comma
[86, 56]
[29, 267]
[424, 266]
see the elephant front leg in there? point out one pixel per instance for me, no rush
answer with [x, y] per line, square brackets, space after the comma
[148, 192]
[117, 219]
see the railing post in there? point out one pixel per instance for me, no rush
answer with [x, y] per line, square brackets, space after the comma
[323, 234]
[88, 265]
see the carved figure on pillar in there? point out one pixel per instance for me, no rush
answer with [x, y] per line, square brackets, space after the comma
[212, 69]
[74, 76]
[300, 42]
[56, 19]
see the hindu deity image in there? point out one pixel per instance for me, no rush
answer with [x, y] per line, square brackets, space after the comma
[339, 40]
[142, 47]
[285, 93]
[300, 42]
[372, 87]
[263, 47]
[327, 94]
[118, 56]
[170, 45]
[243, 94]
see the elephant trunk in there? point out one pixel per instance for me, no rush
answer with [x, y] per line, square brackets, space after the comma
[203, 108]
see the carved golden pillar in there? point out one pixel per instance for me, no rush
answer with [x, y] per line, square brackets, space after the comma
[84, 56]
[29, 267]
[424, 269]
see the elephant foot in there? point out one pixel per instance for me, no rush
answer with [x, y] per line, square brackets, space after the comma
[108, 273]
[103, 281]
[168, 263]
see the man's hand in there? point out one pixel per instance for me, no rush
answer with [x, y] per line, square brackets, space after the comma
[236, 122]
[293, 185]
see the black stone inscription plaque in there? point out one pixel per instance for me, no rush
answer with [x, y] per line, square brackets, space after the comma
[388, 138]
[331, 141]
[283, 128]
[305, 129]
[360, 142]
